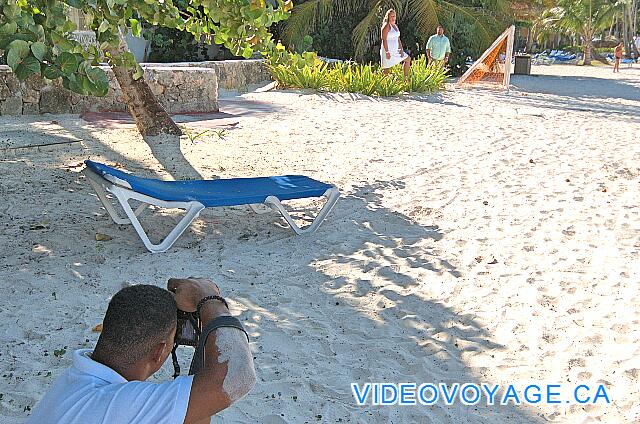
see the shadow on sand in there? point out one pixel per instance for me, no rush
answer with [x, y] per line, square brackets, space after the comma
[349, 308]
[353, 300]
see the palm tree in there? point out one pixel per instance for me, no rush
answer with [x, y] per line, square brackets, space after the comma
[583, 18]
[484, 16]
[629, 21]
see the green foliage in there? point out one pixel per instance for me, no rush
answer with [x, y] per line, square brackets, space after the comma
[330, 39]
[423, 78]
[604, 50]
[581, 16]
[221, 134]
[354, 79]
[298, 70]
[464, 42]
[417, 19]
[35, 39]
[194, 134]
[584, 18]
[348, 29]
[293, 70]
[172, 45]
[36, 35]
[305, 45]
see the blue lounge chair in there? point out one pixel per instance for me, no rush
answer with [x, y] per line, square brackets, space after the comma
[194, 196]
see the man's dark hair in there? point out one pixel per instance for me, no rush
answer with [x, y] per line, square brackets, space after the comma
[138, 317]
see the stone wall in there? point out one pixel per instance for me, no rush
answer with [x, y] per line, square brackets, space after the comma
[180, 87]
[232, 74]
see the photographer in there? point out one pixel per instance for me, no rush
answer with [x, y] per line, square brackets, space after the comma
[107, 386]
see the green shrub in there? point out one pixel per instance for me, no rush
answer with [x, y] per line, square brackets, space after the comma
[604, 50]
[350, 78]
[423, 78]
[294, 70]
[171, 45]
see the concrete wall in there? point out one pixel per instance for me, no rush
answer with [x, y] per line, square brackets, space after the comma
[180, 87]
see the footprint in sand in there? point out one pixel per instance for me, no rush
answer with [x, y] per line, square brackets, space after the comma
[548, 302]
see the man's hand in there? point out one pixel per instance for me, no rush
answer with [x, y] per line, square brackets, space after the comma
[388, 55]
[189, 291]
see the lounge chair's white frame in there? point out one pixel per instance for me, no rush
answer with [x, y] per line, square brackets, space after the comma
[509, 34]
[122, 191]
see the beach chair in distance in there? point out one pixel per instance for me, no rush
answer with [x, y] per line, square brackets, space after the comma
[195, 195]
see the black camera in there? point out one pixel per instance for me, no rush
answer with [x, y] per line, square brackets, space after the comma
[188, 330]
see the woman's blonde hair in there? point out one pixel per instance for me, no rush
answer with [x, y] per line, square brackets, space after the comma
[385, 20]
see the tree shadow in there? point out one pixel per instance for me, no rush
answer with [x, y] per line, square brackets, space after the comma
[436, 98]
[345, 96]
[350, 304]
[352, 307]
[598, 95]
[166, 149]
[586, 88]
[238, 106]
[346, 305]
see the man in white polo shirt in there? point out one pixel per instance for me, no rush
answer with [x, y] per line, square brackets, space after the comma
[438, 46]
[107, 385]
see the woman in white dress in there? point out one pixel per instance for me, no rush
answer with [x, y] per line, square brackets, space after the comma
[391, 52]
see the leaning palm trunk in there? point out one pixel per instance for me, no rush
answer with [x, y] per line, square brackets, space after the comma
[150, 116]
[629, 17]
[626, 27]
[587, 53]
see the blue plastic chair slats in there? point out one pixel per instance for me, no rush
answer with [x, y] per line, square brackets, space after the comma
[223, 192]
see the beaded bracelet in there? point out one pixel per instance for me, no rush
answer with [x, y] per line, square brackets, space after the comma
[208, 298]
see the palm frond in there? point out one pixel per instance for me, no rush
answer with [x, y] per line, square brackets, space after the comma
[425, 14]
[367, 32]
[484, 24]
[305, 17]
[582, 18]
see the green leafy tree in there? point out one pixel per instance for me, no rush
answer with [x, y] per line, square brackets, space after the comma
[37, 38]
[582, 18]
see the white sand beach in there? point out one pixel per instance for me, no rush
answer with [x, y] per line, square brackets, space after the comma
[481, 237]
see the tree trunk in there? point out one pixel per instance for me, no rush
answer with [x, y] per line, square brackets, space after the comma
[588, 46]
[634, 26]
[629, 17]
[149, 115]
[634, 16]
[626, 18]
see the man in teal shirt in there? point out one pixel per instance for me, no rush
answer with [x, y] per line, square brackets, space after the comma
[438, 46]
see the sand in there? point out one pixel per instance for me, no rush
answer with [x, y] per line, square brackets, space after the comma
[481, 237]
